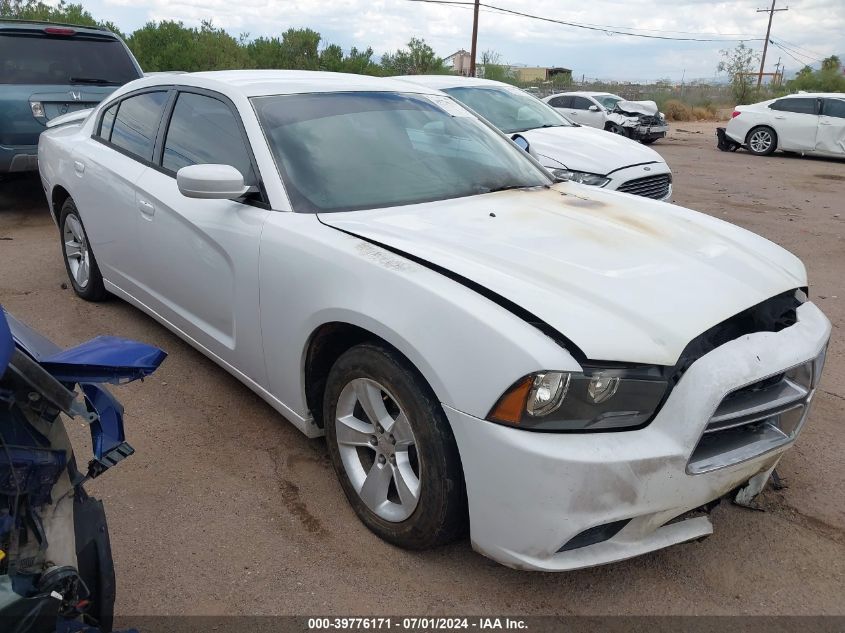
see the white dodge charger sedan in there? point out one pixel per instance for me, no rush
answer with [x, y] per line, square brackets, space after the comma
[803, 123]
[571, 374]
[569, 150]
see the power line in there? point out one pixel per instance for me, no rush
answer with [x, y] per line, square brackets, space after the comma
[800, 48]
[610, 30]
[771, 13]
[781, 44]
[803, 63]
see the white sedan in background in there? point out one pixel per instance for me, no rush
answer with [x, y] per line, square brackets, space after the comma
[803, 123]
[639, 120]
[570, 151]
[564, 371]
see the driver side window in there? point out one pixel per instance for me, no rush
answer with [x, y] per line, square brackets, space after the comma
[204, 130]
[581, 103]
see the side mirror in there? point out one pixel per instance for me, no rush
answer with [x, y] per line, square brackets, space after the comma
[593, 108]
[214, 182]
[521, 141]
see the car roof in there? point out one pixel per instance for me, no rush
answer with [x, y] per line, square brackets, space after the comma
[254, 83]
[442, 82]
[837, 95]
[13, 24]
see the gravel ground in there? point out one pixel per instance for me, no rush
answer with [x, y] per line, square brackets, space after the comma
[227, 509]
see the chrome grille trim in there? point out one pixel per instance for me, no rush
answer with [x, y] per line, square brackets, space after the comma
[656, 187]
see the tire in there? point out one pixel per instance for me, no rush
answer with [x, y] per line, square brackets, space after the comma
[648, 141]
[410, 492]
[80, 263]
[761, 140]
[615, 128]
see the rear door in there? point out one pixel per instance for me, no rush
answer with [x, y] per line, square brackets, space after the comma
[561, 104]
[830, 138]
[200, 257]
[107, 168]
[796, 120]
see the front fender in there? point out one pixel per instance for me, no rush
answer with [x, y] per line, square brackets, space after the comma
[468, 348]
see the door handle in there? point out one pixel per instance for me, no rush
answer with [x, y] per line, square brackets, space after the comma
[146, 208]
[780, 117]
[825, 123]
[79, 167]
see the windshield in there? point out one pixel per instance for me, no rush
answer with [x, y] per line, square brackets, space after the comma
[45, 59]
[608, 102]
[509, 109]
[365, 150]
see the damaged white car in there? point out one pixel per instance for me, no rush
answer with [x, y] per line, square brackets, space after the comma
[639, 120]
[573, 375]
[803, 123]
[570, 151]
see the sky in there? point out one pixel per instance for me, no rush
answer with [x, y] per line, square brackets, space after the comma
[812, 29]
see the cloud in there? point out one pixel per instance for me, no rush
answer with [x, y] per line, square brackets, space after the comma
[812, 25]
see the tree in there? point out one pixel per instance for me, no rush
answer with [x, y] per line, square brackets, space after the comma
[740, 64]
[169, 45]
[299, 49]
[417, 59]
[62, 12]
[494, 69]
[831, 63]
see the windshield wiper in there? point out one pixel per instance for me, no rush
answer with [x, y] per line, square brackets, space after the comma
[92, 80]
[504, 188]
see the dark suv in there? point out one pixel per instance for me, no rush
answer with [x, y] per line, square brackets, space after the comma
[47, 70]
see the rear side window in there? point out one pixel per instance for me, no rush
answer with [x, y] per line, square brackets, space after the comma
[107, 123]
[136, 123]
[834, 107]
[801, 105]
[204, 130]
[61, 60]
[560, 102]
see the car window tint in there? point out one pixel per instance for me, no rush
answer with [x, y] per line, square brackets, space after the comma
[797, 105]
[136, 123]
[560, 102]
[204, 130]
[365, 150]
[581, 103]
[107, 123]
[834, 107]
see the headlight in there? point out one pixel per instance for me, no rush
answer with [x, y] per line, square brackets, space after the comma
[585, 178]
[37, 109]
[597, 398]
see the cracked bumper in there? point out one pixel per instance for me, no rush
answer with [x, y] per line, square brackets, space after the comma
[530, 493]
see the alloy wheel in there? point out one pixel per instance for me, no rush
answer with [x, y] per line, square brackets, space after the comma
[77, 253]
[378, 449]
[760, 141]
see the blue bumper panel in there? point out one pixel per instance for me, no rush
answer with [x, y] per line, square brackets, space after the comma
[104, 359]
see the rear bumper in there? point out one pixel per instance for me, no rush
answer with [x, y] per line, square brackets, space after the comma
[18, 158]
[530, 493]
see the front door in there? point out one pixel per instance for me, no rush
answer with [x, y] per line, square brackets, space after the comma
[201, 256]
[830, 138]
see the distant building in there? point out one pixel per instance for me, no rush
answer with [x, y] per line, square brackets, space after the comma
[529, 74]
[459, 62]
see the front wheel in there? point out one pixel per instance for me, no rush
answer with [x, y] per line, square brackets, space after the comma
[648, 141]
[761, 141]
[393, 449]
[80, 263]
[615, 128]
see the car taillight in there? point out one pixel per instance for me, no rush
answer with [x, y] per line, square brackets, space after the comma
[735, 114]
[59, 30]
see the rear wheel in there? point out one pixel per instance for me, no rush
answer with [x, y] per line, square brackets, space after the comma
[393, 449]
[761, 141]
[80, 263]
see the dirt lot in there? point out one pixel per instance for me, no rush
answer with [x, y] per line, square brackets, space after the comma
[226, 508]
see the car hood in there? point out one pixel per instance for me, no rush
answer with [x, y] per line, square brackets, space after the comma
[638, 107]
[587, 149]
[624, 278]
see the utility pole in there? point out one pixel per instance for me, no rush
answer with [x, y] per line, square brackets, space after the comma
[474, 40]
[771, 13]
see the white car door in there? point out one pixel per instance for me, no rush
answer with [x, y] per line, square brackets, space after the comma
[830, 138]
[585, 111]
[200, 270]
[796, 120]
[107, 167]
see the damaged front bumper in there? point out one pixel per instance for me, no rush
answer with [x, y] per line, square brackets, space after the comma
[554, 502]
[648, 132]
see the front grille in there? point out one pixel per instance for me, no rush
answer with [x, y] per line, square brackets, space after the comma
[757, 418]
[650, 120]
[656, 187]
